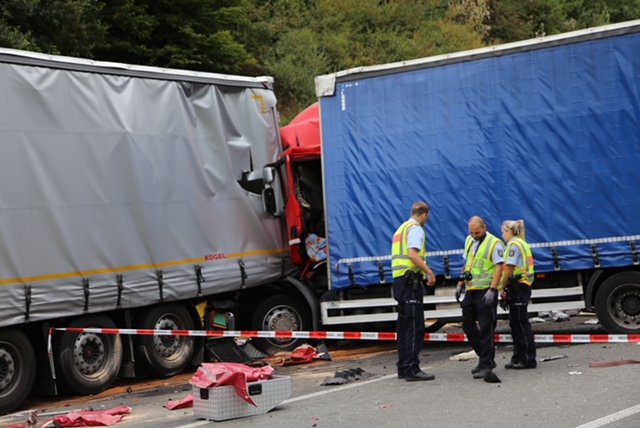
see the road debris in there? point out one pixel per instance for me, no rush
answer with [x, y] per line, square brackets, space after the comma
[555, 357]
[184, 403]
[345, 376]
[91, 417]
[554, 315]
[591, 321]
[464, 356]
[575, 373]
[601, 364]
[537, 320]
[491, 377]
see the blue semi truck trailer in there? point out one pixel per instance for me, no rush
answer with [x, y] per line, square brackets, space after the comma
[546, 130]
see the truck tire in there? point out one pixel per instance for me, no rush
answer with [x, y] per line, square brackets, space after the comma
[281, 312]
[618, 303]
[17, 369]
[165, 355]
[87, 363]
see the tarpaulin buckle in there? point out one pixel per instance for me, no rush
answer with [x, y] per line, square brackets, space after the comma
[85, 286]
[556, 260]
[381, 273]
[447, 267]
[199, 278]
[595, 256]
[159, 276]
[352, 277]
[27, 301]
[120, 282]
[634, 253]
[243, 272]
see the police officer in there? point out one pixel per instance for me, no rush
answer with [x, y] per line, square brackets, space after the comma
[515, 287]
[483, 254]
[409, 268]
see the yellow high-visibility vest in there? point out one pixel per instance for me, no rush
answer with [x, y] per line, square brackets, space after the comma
[526, 273]
[480, 264]
[400, 261]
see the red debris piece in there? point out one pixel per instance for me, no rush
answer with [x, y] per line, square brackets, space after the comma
[600, 364]
[92, 418]
[219, 374]
[185, 403]
[303, 354]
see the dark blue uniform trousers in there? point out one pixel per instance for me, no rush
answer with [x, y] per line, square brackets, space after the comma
[410, 325]
[524, 348]
[478, 323]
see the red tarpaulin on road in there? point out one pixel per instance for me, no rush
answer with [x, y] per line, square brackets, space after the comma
[92, 418]
[185, 403]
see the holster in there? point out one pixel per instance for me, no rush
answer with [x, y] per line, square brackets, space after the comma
[414, 279]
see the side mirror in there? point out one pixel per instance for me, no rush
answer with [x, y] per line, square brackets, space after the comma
[272, 196]
[268, 174]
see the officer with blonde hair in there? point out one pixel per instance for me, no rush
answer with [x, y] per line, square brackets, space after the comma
[515, 288]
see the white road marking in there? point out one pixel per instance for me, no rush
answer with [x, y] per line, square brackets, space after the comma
[195, 424]
[342, 388]
[606, 420]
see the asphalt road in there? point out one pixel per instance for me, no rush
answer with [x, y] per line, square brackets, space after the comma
[564, 392]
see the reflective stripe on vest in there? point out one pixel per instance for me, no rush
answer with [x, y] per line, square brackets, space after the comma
[525, 273]
[400, 261]
[480, 264]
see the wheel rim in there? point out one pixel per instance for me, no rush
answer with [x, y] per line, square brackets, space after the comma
[284, 318]
[624, 306]
[7, 368]
[166, 346]
[89, 353]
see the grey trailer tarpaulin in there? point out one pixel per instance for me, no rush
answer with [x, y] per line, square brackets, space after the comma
[109, 170]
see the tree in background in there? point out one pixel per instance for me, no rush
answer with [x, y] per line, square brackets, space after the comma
[67, 27]
[193, 34]
[308, 38]
[292, 40]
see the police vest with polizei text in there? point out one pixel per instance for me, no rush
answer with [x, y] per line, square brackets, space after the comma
[525, 274]
[400, 261]
[480, 264]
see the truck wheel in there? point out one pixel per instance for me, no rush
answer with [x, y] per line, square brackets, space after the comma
[165, 355]
[17, 369]
[281, 312]
[87, 363]
[618, 303]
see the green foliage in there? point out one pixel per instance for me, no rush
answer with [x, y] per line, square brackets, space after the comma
[292, 40]
[70, 27]
[192, 34]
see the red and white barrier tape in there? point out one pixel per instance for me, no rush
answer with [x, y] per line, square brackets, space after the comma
[354, 335]
[339, 335]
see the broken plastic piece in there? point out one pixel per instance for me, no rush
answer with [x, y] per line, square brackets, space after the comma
[464, 356]
[555, 357]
